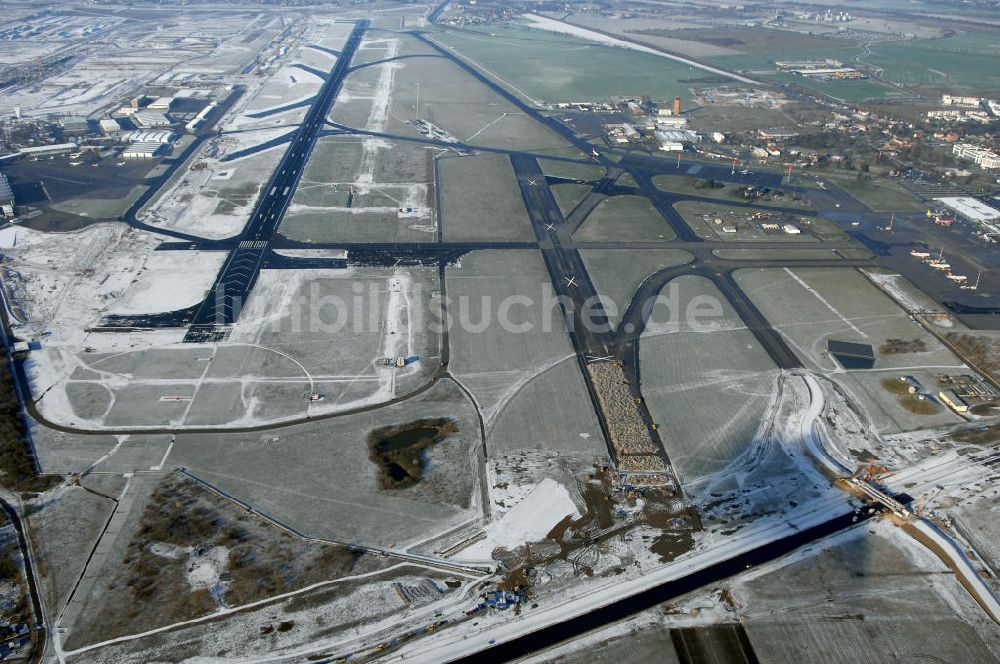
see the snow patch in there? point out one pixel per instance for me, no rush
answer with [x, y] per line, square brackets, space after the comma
[530, 521]
[172, 280]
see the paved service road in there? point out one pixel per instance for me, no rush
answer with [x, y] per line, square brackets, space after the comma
[239, 274]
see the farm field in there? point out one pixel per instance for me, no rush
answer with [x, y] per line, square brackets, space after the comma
[881, 195]
[574, 69]
[966, 61]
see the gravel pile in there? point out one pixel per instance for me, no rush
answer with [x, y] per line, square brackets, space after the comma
[628, 432]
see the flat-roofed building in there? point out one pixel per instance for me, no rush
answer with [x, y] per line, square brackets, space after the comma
[148, 119]
[143, 150]
[982, 157]
[51, 149]
[971, 208]
[953, 401]
[110, 127]
[73, 126]
[161, 104]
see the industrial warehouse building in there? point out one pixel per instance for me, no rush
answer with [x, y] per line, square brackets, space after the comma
[970, 208]
[953, 401]
[161, 104]
[110, 127]
[148, 119]
[143, 150]
[46, 150]
[162, 136]
[146, 144]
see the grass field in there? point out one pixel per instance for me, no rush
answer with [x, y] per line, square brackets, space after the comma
[791, 254]
[834, 599]
[624, 218]
[339, 167]
[457, 103]
[305, 471]
[565, 169]
[967, 61]
[880, 195]
[550, 412]
[747, 40]
[706, 386]
[569, 195]
[764, 60]
[845, 90]
[811, 305]
[491, 361]
[891, 412]
[848, 90]
[626, 180]
[617, 273]
[480, 200]
[555, 68]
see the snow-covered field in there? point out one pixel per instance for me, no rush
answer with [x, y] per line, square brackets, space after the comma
[171, 280]
[277, 355]
[552, 25]
[529, 521]
[64, 282]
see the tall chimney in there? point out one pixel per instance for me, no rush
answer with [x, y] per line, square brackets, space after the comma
[677, 105]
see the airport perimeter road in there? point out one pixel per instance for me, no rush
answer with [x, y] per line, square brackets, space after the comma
[239, 273]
